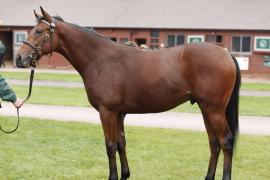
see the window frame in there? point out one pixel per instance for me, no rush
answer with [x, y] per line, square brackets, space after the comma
[175, 39]
[17, 34]
[241, 46]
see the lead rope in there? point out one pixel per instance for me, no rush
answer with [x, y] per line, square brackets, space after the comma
[28, 96]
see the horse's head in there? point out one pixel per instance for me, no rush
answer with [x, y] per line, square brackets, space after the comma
[41, 40]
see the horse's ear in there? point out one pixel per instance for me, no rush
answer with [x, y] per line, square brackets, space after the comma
[37, 15]
[47, 17]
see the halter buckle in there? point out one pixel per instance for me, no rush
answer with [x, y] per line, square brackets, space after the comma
[34, 63]
[33, 56]
[52, 25]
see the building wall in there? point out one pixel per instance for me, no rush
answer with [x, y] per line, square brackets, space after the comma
[256, 59]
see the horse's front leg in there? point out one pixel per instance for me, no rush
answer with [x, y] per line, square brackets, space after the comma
[109, 124]
[121, 147]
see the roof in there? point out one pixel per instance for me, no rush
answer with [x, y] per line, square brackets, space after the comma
[169, 14]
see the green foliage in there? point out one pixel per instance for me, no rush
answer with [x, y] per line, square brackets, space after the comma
[43, 149]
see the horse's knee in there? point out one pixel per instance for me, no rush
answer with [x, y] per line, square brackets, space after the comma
[121, 146]
[111, 148]
[214, 146]
[228, 143]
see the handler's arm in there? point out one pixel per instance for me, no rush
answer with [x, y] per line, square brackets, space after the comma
[6, 93]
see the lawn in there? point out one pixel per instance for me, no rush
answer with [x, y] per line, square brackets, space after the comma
[256, 86]
[67, 77]
[54, 95]
[259, 106]
[66, 150]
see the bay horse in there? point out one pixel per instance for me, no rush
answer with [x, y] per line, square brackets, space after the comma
[120, 79]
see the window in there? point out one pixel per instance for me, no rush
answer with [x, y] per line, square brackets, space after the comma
[154, 40]
[214, 38]
[20, 36]
[174, 40]
[241, 44]
[154, 34]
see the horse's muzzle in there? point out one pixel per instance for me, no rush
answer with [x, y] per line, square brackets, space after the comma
[19, 62]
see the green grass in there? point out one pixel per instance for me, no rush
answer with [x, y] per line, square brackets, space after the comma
[43, 76]
[256, 86]
[61, 150]
[54, 95]
[254, 106]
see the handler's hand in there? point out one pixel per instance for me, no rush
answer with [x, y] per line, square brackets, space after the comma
[18, 103]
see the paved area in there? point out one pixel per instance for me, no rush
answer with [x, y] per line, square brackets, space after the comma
[190, 121]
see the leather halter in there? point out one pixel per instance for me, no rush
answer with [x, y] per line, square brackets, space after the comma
[35, 55]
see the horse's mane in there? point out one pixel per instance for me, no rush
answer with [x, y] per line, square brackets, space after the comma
[58, 18]
[89, 31]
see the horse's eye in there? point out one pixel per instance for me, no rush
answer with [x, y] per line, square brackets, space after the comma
[38, 32]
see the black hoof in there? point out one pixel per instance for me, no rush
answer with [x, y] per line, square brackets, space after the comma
[125, 174]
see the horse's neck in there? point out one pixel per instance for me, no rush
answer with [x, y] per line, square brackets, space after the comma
[80, 48]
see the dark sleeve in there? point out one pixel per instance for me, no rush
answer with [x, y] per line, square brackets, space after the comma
[6, 93]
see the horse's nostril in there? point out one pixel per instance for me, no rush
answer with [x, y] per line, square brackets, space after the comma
[18, 57]
[18, 60]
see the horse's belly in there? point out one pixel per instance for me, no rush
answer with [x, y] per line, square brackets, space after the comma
[156, 102]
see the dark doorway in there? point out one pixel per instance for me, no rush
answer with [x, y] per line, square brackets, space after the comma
[114, 39]
[140, 41]
[6, 38]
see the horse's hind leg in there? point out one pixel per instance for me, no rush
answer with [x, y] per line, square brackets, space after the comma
[121, 147]
[218, 123]
[109, 124]
[214, 149]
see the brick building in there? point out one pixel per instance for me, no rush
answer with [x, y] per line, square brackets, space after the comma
[240, 26]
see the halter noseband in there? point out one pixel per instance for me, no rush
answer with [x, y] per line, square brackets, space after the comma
[35, 55]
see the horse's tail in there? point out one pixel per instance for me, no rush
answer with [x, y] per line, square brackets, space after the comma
[233, 105]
